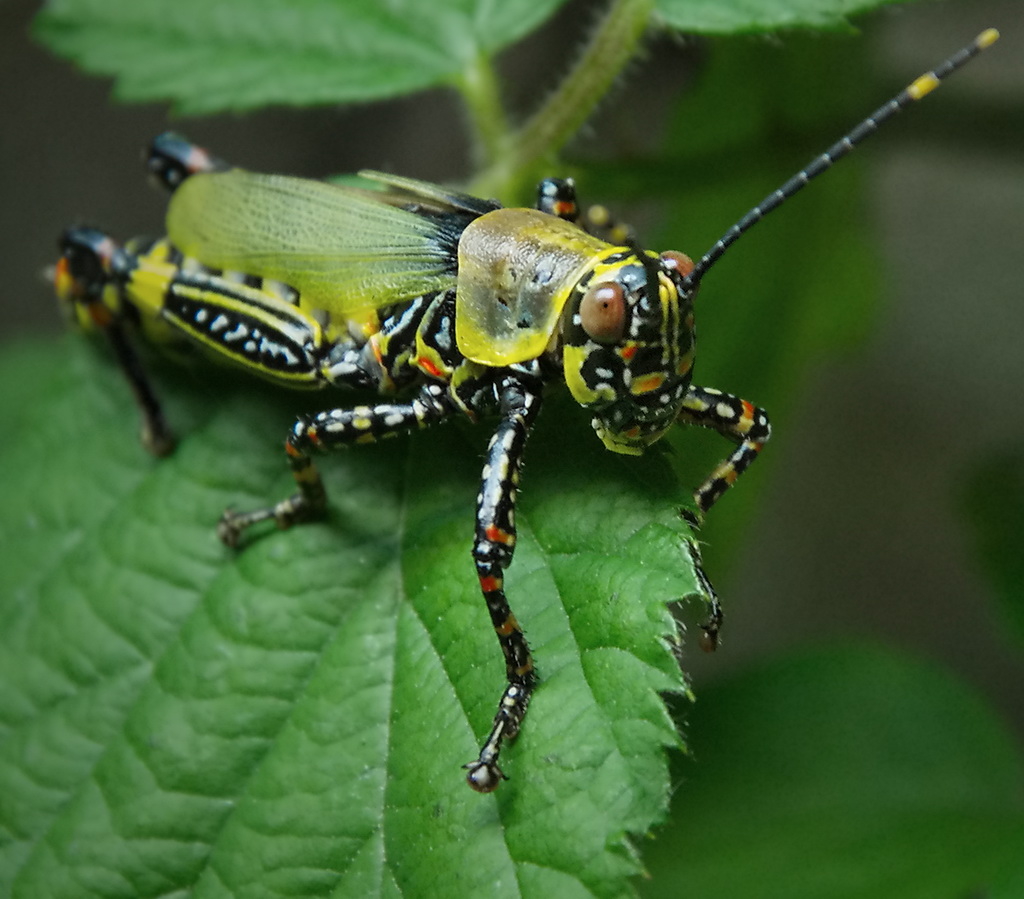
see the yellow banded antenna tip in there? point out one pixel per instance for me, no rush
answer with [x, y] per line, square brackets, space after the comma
[987, 38]
[922, 86]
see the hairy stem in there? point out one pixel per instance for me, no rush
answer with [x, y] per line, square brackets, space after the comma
[479, 88]
[611, 46]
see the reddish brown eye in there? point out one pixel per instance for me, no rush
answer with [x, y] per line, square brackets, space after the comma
[603, 312]
[678, 262]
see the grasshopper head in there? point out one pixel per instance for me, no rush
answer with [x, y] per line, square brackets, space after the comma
[628, 345]
[87, 276]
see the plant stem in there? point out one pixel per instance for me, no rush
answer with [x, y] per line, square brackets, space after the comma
[610, 48]
[478, 85]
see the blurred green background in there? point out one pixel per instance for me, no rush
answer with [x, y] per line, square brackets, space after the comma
[861, 529]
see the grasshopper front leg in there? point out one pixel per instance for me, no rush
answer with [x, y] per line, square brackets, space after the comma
[746, 425]
[734, 418]
[493, 547]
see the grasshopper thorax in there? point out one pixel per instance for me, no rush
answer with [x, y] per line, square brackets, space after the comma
[627, 345]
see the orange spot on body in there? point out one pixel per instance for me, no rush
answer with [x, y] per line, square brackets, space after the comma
[508, 626]
[306, 475]
[375, 346]
[99, 314]
[61, 276]
[490, 584]
[497, 535]
[747, 418]
[427, 365]
[647, 383]
[628, 351]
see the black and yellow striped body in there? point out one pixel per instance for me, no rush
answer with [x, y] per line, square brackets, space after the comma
[504, 313]
[250, 321]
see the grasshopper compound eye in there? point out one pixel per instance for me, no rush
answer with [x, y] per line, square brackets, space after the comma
[603, 312]
[677, 262]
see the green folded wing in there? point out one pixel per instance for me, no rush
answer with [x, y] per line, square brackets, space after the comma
[343, 249]
[422, 194]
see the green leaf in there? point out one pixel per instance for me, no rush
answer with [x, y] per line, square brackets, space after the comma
[852, 773]
[734, 16]
[292, 717]
[242, 54]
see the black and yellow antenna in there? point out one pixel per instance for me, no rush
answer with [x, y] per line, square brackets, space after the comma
[917, 89]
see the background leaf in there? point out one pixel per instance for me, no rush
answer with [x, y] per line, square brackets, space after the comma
[732, 16]
[240, 54]
[294, 716]
[845, 772]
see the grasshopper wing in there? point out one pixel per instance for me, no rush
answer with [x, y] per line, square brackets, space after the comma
[344, 249]
[422, 195]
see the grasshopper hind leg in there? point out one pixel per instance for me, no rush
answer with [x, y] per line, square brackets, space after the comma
[90, 279]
